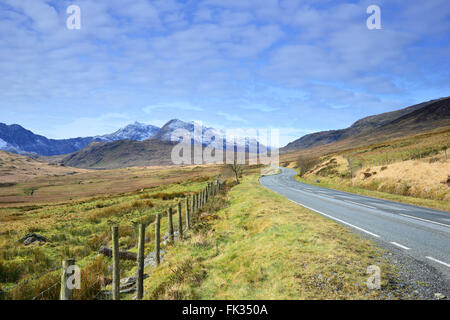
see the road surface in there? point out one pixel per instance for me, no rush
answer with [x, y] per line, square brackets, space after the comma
[419, 232]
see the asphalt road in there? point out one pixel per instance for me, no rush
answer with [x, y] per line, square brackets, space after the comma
[421, 233]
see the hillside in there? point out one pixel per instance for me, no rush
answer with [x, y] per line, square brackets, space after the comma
[122, 153]
[411, 120]
[413, 169]
[15, 168]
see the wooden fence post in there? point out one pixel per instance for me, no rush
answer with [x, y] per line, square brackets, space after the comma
[169, 213]
[188, 218]
[115, 256]
[193, 208]
[180, 221]
[157, 239]
[140, 263]
[66, 293]
[202, 198]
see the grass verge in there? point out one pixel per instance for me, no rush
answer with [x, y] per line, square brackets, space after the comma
[255, 244]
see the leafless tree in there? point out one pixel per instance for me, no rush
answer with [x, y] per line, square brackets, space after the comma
[237, 169]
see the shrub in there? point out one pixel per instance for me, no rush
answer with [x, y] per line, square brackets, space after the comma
[304, 164]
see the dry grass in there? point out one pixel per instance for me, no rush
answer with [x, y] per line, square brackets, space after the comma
[413, 169]
[416, 178]
[44, 189]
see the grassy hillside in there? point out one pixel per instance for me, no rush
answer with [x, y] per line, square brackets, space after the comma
[123, 153]
[414, 169]
[17, 168]
[255, 244]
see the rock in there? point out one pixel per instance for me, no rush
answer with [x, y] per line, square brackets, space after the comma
[165, 238]
[439, 296]
[123, 255]
[32, 237]
[150, 259]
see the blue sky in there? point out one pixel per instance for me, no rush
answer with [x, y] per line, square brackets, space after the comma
[300, 66]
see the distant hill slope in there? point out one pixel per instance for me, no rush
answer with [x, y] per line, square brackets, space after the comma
[15, 168]
[411, 120]
[15, 138]
[122, 153]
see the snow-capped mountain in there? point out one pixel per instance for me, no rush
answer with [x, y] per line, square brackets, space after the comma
[176, 130]
[15, 138]
[136, 131]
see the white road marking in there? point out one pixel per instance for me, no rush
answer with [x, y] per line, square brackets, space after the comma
[426, 220]
[360, 204]
[438, 261]
[339, 220]
[400, 245]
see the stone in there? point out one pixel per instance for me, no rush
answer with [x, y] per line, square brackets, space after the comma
[32, 237]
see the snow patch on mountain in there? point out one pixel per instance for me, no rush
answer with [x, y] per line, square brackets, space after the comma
[136, 131]
[176, 131]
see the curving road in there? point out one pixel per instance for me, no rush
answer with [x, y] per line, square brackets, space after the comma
[419, 232]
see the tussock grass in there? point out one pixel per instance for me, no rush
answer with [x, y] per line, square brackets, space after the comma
[77, 229]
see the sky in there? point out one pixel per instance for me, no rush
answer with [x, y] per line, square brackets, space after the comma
[300, 66]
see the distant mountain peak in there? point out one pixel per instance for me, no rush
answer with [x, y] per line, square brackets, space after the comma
[136, 131]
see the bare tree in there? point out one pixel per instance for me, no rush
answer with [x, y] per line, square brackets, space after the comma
[349, 162]
[305, 164]
[237, 169]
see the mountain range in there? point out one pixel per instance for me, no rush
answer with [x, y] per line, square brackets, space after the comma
[15, 138]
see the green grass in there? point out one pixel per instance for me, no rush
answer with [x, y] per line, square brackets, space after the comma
[258, 245]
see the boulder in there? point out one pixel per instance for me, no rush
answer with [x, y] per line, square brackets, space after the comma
[31, 238]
